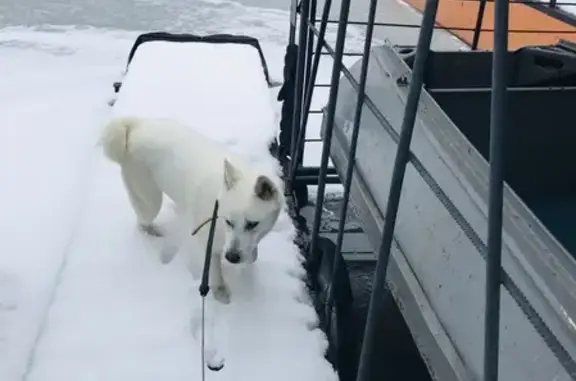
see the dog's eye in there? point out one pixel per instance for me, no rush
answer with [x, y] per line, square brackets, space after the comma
[229, 223]
[250, 225]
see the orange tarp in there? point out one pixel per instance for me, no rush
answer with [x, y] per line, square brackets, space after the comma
[463, 14]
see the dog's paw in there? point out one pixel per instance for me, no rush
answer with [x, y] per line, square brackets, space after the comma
[152, 230]
[214, 359]
[168, 253]
[215, 364]
[221, 294]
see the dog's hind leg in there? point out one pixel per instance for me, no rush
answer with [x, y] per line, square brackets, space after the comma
[145, 196]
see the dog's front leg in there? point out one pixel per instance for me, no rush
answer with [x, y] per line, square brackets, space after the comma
[216, 280]
[213, 341]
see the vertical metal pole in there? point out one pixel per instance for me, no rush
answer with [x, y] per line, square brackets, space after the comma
[479, 22]
[497, 123]
[300, 63]
[309, 81]
[309, 47]
[333, 97]
[353, 145]
[310, 89]
[319, 46]
[293, 15]
[376, 306]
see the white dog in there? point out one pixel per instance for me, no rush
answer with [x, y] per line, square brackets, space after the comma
[159, 156]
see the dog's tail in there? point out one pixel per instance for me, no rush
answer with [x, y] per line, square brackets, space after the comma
[115, 137]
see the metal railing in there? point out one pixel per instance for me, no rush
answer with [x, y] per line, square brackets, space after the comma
[312, 44]
[551, 7]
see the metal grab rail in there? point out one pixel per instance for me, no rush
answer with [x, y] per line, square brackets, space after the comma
[496, 191]
[552, 4]
[458, 28]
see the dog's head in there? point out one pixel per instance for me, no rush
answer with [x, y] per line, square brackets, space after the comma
[249, 205]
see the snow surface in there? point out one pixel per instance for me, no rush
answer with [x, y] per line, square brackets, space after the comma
[219, 89]
[48, 122]
[121, 315]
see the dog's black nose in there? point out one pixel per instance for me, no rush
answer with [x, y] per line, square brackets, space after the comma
[233, 256]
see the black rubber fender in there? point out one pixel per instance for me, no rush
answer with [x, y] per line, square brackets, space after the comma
[341, 350]
[301, 195]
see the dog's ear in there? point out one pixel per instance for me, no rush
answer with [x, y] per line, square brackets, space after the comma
[264, 188]
[231, 174]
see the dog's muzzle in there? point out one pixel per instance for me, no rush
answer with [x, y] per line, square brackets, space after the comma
[233, 256]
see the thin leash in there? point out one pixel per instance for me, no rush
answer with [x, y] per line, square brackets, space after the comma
[202, 360]
[204, 287]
